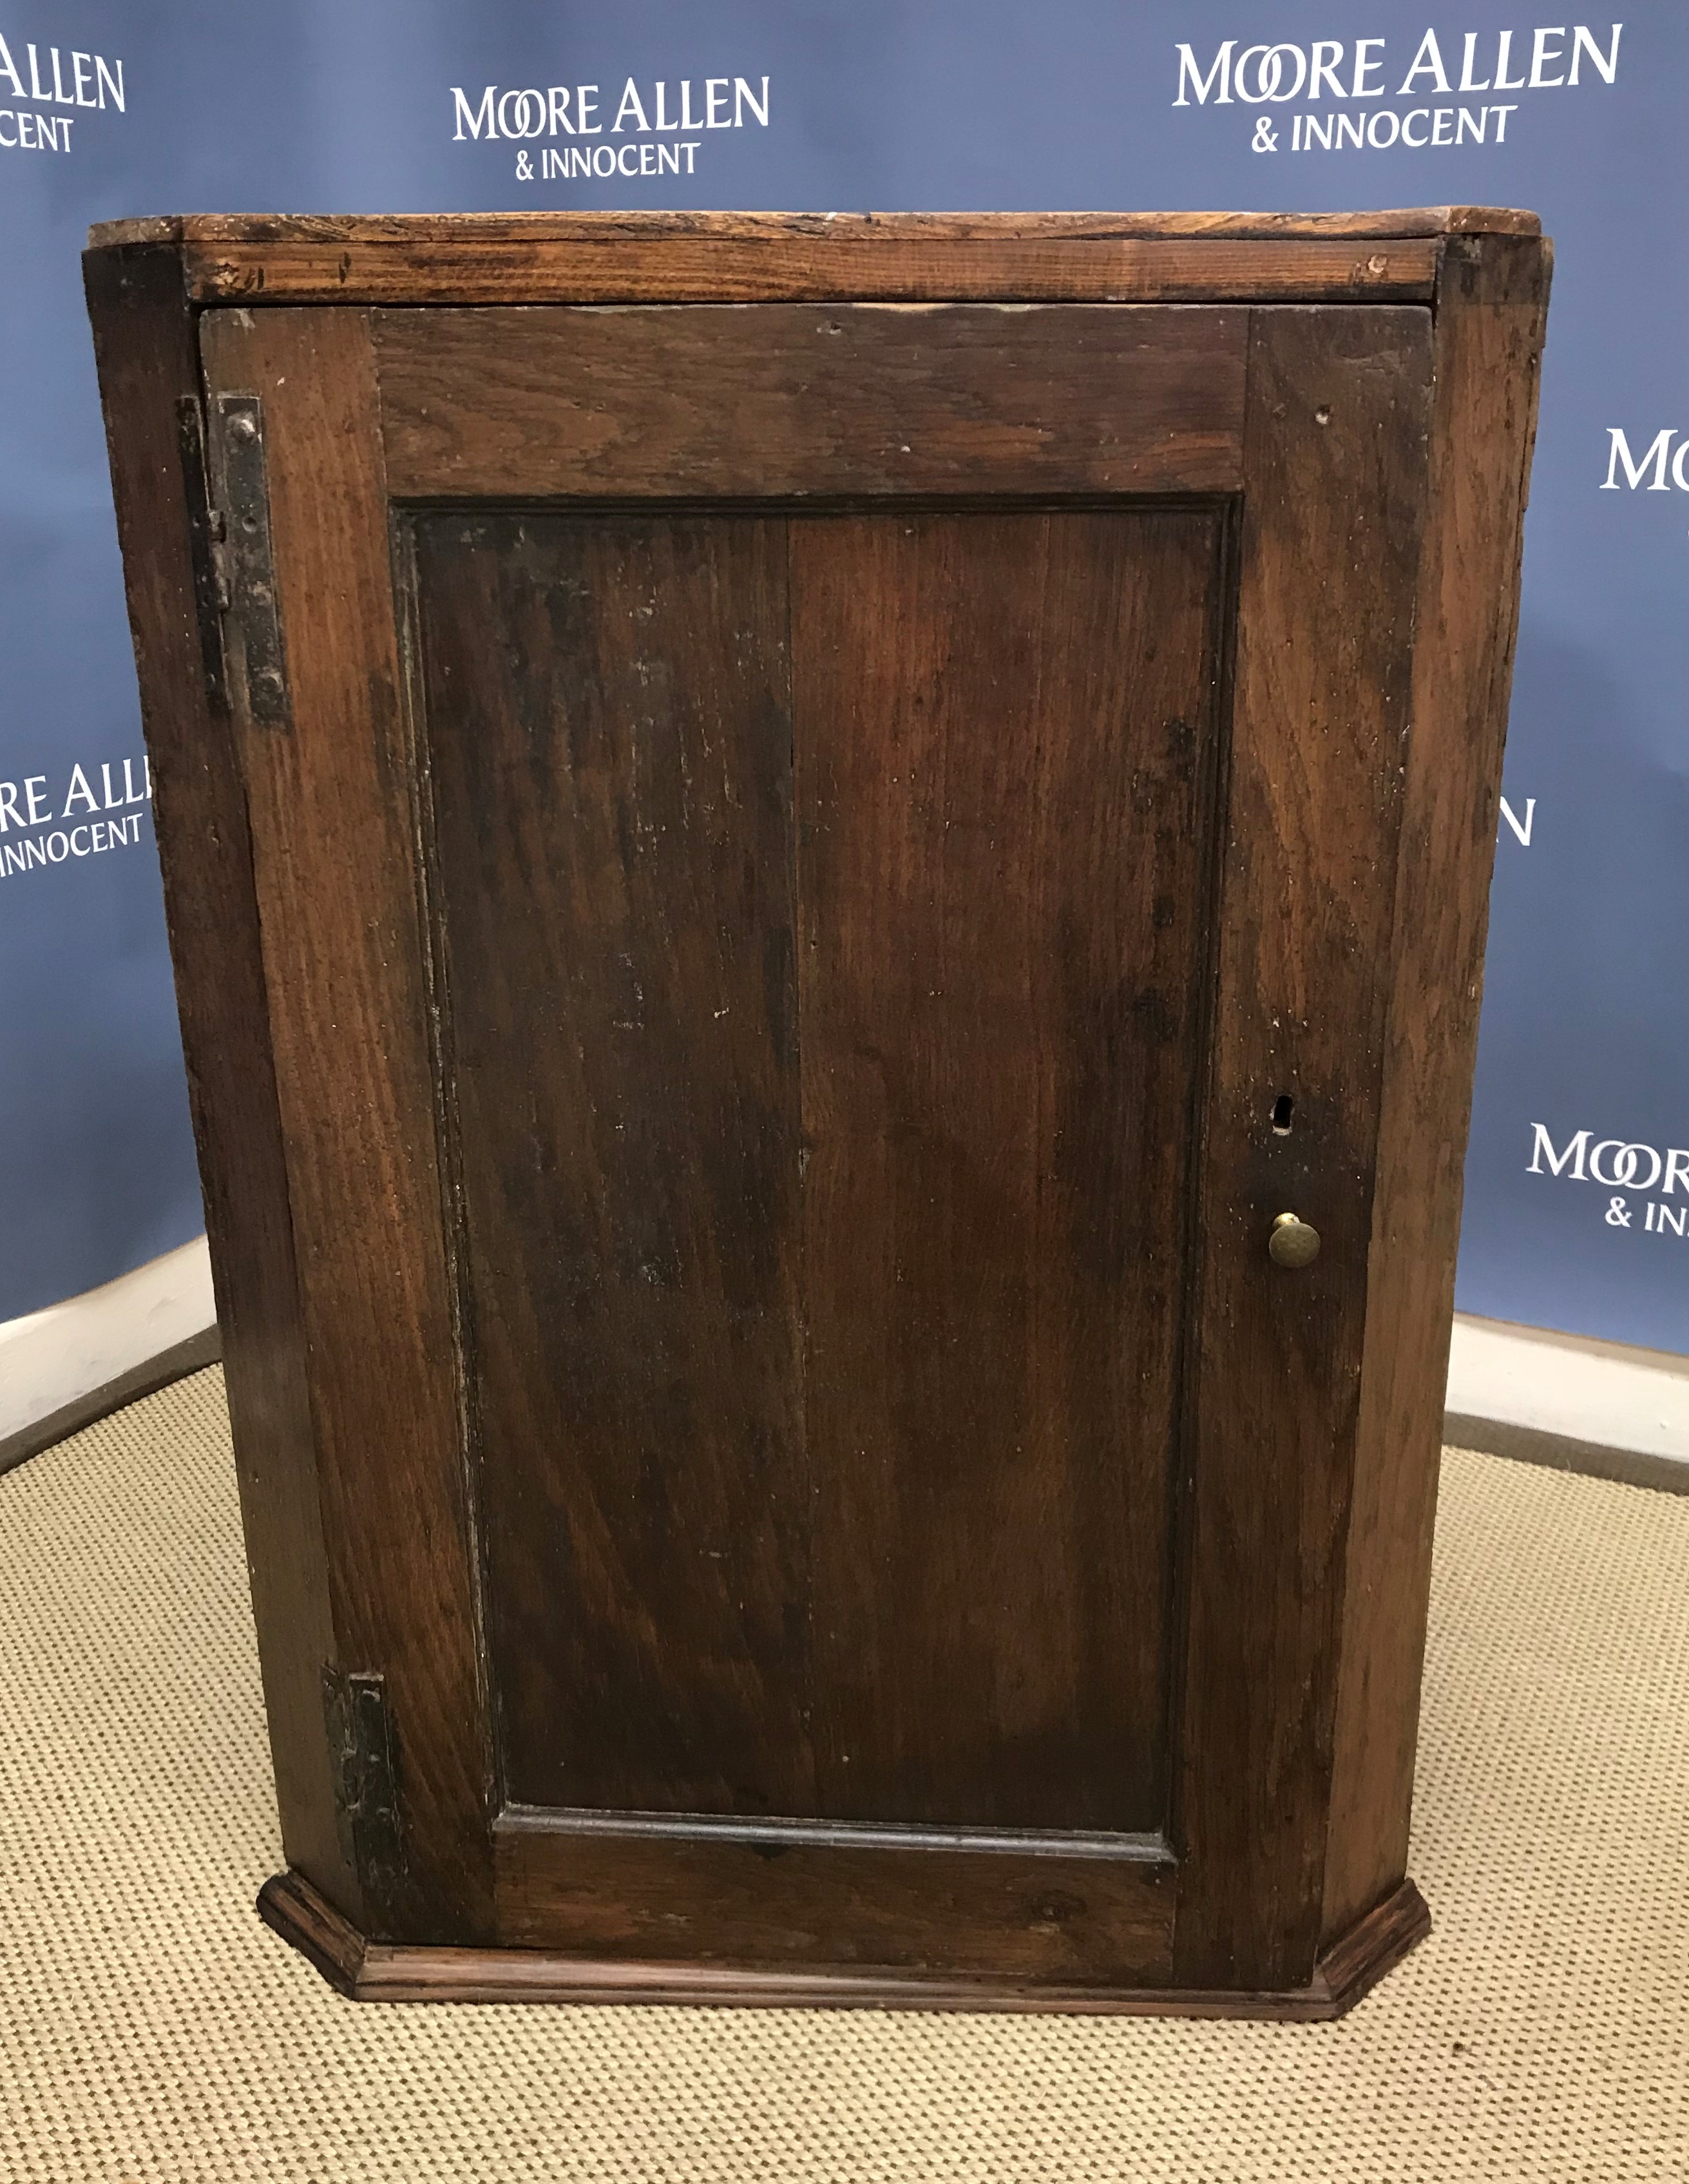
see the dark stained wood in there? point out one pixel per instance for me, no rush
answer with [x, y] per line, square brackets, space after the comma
[1333, 509]
[610, 716]
[144, 342]
[866, 261]
[737, 1023]
[610, 746]
[1492, 309]
[1357, 1959]
[1050, 1913]
[889, 229]
[366, 1971]
[787, 400]
[629, 258]
[1005, 745]
[334, 863]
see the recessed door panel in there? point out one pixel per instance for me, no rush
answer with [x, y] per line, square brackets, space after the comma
[822, 910]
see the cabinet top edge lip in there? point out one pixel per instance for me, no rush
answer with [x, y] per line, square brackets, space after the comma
[192, 231]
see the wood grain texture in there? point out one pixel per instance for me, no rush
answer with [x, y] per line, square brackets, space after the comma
[610, 751]
[770, 258]
[611, 718]
[783, 399]
[143, 340]
[484, 227]
[1357, 1958]
[1049, 1915]
[368, 1971]
[1334, 508]
[757, 1000]
[1492, 311]
[1006, 748]
[333, 858]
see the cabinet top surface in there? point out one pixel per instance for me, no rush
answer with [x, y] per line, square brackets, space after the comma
[889, 228]
[472, 257]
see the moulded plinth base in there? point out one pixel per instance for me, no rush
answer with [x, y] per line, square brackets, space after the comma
[382, 1971]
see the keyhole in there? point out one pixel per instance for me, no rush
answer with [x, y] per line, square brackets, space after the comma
[1282, 1108]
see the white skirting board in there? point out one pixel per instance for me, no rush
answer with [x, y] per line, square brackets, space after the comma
[1518, 1391]
[52, 1360]
[1568, 1401]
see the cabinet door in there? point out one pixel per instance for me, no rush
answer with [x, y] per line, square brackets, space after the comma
[825, 874]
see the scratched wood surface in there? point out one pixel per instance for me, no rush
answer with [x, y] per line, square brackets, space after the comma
[334, 868]
[149, 366]
[701, 1543]
[623, 227]
[789, 400]
[843, 267]
[1491, 322]
[1006, 738]
[1336, 466]
[1040, 1911]
[1079, 810]
[624, 258]
[366, 1971]
[609, 738]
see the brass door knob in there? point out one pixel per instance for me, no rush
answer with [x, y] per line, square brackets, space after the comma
[1292, 1242]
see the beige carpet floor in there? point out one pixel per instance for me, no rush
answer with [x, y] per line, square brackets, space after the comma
[151, 2029]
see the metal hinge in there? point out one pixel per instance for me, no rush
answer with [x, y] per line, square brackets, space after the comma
[242, 567]
[360, 1748]
[205, 527]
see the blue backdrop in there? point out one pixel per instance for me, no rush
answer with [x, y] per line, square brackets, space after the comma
[1578, 1178]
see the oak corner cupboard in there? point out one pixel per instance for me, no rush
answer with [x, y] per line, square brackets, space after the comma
[827, 879]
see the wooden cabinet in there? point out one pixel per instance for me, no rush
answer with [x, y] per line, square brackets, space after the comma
[786, 842]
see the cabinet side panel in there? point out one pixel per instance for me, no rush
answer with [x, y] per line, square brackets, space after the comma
[1334, 499]
[1490, 319]
[144, 341]
[335, 861]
